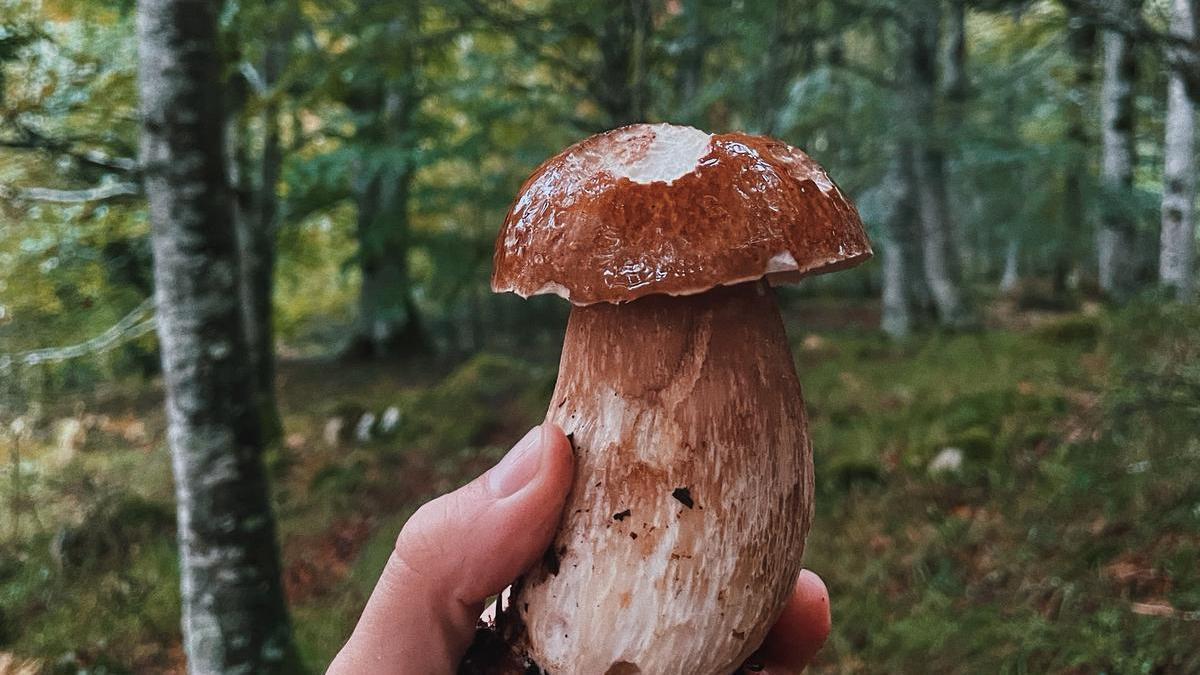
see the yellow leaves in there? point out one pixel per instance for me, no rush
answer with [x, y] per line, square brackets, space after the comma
[67, 11]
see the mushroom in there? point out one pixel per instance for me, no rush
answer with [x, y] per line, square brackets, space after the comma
[693, 495]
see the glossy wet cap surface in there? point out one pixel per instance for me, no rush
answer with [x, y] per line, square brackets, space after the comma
[667, 209]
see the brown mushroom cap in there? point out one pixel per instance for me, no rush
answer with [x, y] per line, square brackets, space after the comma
[658, 208]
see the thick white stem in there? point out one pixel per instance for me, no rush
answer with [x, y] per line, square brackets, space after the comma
[682, 537]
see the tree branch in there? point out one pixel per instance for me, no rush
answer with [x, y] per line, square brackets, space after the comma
[98, 193]
[31, 139]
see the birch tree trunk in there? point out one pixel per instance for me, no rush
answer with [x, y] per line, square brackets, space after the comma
[234, 618]
[1115, 241]
[940, 260]
[1008, 282]
[1177, 244]
[1081, 43]
[903, 282]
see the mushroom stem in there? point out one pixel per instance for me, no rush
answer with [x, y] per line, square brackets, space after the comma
[682, 536]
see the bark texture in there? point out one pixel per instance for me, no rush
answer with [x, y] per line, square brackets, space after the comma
[389, 322]
[905, 294]
[234, 618]
[254, 180]
[259, 240]
[940, 257]
[1177, 244]
[683, 533]
[1012, 272]
[955, 75]
[1115, 240]
[1081, 43]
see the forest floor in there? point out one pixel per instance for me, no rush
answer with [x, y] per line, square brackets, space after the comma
[1065, 540]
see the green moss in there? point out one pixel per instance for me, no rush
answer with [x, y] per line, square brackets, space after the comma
[1080, 453]
[1077, 329]
[479, 398]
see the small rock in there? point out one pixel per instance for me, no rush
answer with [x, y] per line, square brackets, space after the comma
[390, 420]
[70, 436]
[362, 431]
[135, 433]
[333, 431]
[949, 460]
[814, 343]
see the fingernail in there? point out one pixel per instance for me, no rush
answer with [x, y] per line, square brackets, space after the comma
[518, 467]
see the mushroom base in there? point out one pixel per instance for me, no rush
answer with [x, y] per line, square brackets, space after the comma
[682, 537]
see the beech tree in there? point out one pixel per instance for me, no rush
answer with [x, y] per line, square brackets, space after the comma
[1177, 244]
[234, 618]
[1081, 47]
[941, 259]
[1115, 242]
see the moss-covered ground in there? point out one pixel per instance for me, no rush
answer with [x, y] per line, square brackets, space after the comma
[1067, 541]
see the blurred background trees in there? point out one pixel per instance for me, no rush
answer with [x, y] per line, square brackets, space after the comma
[1010, 158]
[1005, 141]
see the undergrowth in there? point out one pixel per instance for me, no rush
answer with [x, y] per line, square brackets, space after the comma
[1066, 541]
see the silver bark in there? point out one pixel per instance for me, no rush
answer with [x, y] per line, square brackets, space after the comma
[1115, 240]
[234, 619]
[903, 282]
[939, 252]
[1008, 282]
[1177, 244]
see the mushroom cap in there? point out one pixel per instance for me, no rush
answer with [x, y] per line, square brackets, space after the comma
[659, 208]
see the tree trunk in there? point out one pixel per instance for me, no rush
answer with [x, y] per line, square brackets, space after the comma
[1008, 282]
[621, 86]
[234, 618]
[1177, 246]
[260, 241]
[689, 77]
[941, 267]
[957, 85]
[389, 322]
[789, 51]
[1081, 42]
[903, 282]
[1115, 242]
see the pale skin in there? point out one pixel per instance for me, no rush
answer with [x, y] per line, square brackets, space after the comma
[467, 546]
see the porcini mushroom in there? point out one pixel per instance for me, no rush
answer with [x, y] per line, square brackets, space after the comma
[682, 536]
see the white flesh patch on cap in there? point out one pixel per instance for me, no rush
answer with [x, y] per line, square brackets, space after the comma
[552, 287]
[674, 152]
[782, 262]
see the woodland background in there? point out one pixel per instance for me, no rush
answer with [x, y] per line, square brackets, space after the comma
[1005, 402]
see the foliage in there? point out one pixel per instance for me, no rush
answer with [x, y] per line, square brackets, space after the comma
[497, 87]
[1065, 544]
[1075, 529]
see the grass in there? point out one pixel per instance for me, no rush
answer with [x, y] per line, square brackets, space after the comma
[1066, 543]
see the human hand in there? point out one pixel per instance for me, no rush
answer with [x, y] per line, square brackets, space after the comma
[464, 547]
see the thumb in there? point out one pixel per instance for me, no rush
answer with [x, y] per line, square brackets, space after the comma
[454, 553]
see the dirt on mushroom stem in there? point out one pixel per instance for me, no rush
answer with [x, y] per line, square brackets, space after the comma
[684, 530]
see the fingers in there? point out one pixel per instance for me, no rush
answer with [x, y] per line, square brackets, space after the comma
[801, 630]
[455, 552]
